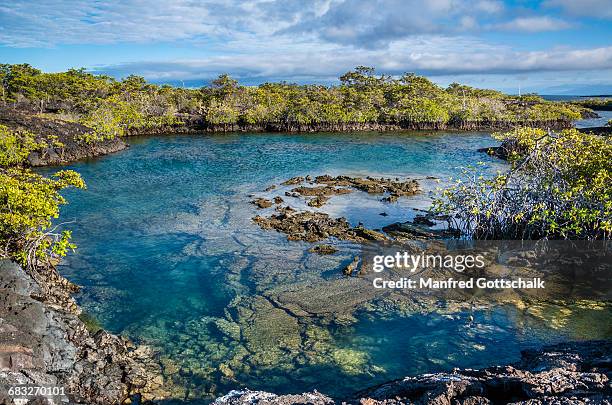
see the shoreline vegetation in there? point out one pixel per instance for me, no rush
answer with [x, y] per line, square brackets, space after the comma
[53, 118]
[362, 100]
[596, 104]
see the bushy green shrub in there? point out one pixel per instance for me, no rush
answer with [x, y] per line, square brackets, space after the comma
[558, 186]
[29, 202]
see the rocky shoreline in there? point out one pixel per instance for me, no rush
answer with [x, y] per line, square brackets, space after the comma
[62, 137]
[44, 342]
[67, 132]
[568, 373]
[195, 124]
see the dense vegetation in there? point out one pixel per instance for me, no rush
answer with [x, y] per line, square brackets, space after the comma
[29, 202]
[114, 108]
[559, 186]
[602, 104]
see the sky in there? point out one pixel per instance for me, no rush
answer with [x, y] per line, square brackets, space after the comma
[546, 46]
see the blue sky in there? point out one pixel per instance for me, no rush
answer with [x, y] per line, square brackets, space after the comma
[549, 46]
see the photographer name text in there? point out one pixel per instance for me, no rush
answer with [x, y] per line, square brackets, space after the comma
[450, 283]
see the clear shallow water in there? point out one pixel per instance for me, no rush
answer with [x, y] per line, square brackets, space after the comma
[168, 255]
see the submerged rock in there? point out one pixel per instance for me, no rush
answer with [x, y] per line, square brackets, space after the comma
[568, 373]
[293, 181]
[323, 249]
[262, 202]
[350, 361]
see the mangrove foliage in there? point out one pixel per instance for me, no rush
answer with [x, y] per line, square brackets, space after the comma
[361, 100]
[29, 203]
[559, 186]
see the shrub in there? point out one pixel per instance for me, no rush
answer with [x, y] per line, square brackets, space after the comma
[29, 202]
[15, 146]
[558, 187]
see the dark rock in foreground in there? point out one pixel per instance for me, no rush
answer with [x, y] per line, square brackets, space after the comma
[569, 373]
[43, 342]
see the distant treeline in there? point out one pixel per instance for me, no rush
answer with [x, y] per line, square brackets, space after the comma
[362, 100]
[601, 104]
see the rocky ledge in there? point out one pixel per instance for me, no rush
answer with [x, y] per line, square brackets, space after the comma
[315, 226]
[321, 188]
[61, 135]
[569, 373]
[43, 342]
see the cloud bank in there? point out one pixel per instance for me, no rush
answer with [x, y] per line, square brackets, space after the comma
[315, 40]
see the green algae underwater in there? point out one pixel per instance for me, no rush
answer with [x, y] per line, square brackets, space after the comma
[169, 256]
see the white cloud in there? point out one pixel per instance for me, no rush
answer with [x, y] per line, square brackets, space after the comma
[533, 24]
[359, 23]
[489, 6]
[442, 56]
[54, 22]
[468, 22]
[298, 40]
[583, 8]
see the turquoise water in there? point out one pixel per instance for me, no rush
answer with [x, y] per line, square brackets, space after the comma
[169, 256]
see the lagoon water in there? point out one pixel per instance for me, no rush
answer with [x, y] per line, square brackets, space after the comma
[168, 255]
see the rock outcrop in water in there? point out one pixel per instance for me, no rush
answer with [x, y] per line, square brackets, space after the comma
[372, 185]
[315, 226]
[569, 373]
[418, 229]
[43, 342]
[262, 202]
[320, 189]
